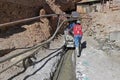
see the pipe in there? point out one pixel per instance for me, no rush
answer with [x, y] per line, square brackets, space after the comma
[26, 20]
[31, 19]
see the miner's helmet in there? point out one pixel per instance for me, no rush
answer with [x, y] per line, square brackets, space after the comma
[78, 22]
[75, 14]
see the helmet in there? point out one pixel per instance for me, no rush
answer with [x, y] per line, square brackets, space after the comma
[78, 21]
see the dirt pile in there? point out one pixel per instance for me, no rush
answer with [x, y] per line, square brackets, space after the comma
[104, 23]
[29, 35]
[105, 28]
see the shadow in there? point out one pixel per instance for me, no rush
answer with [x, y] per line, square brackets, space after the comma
[9, 32]
[83, 45]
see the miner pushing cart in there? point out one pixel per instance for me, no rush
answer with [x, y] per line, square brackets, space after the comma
[73, 34]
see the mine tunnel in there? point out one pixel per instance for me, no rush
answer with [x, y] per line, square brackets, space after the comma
[34, 44]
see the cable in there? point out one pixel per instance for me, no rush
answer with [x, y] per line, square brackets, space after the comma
[24, 57]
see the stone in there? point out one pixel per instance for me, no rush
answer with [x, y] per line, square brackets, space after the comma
[114, 36]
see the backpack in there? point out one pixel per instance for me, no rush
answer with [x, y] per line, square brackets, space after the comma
[77, 30]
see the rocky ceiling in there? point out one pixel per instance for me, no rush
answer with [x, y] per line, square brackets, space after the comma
[30, 3]
[11, 10]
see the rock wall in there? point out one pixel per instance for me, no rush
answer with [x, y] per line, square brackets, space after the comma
[12, 12]
[29, 35]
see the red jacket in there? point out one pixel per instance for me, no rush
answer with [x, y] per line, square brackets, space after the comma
[77, 30]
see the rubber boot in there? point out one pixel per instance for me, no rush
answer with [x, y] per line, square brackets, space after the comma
[77, 51]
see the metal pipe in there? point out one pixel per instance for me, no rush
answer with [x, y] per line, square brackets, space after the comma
[31, 19]
[26, 20]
